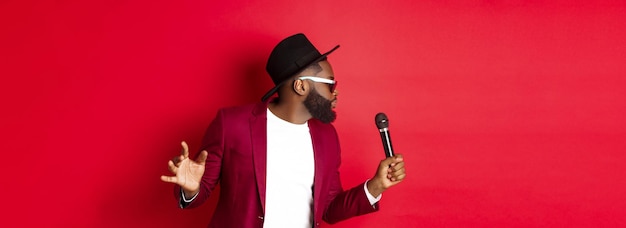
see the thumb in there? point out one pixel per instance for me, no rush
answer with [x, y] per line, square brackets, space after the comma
[387, 162]
[398, 158]
[202, 157]
[390, 161]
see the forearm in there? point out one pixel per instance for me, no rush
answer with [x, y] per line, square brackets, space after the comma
[347, 204]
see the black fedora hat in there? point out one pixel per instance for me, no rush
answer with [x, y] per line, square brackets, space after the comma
[289, 57]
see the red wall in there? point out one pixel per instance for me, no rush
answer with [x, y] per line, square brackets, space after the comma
[508, 114]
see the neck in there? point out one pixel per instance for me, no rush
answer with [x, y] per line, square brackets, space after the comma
[290, 111]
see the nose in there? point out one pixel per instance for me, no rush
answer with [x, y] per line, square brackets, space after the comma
[336, 93]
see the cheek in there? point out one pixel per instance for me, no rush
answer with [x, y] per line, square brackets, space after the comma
[332, 97]
[327, 94]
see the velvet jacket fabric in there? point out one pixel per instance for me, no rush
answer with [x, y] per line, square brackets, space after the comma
[236, 142]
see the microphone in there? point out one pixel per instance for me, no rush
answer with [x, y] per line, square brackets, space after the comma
[383, 126]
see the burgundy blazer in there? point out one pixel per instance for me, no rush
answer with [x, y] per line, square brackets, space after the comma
[236, 141]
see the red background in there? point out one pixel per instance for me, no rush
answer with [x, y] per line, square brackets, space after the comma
[509, 113]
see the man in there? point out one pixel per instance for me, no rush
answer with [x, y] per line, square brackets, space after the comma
[277, 161]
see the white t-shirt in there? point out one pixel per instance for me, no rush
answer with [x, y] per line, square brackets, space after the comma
[290, 173]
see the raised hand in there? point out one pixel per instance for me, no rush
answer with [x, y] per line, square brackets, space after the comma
[187, 173]
[390, 172]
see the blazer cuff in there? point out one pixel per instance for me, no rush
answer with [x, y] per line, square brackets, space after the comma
[373, 200]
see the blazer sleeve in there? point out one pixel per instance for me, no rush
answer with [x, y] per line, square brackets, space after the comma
[344, 204]
[213, 143]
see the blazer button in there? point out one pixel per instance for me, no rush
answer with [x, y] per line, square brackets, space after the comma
[260, 217]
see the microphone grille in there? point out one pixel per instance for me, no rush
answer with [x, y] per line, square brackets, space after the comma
[381, 120]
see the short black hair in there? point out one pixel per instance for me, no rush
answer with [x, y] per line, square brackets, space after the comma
[315, 67]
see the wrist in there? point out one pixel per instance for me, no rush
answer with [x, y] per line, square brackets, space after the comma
[189, 194]
[375, 187]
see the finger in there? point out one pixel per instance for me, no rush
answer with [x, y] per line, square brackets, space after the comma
[177, 160]
[172, 167]
[169, 179]
[398, 172]
[202, 158]
[185, 150]
[180, 160]
[397, 166]
[399, 178]
[398, 157]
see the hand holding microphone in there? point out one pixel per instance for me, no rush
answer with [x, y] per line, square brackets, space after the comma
[390, 170]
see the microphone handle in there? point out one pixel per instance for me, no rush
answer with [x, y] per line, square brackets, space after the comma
[384, 135]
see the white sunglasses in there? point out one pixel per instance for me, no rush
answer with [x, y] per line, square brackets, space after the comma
[331, 83]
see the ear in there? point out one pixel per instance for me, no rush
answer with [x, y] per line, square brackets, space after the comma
[300, 87]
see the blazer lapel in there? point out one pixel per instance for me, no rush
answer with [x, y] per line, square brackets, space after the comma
[258, 136]
[318, 151]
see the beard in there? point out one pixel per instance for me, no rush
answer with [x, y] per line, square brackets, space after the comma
[319, 107]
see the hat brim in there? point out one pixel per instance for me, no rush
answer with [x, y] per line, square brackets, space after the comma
[273, 90]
